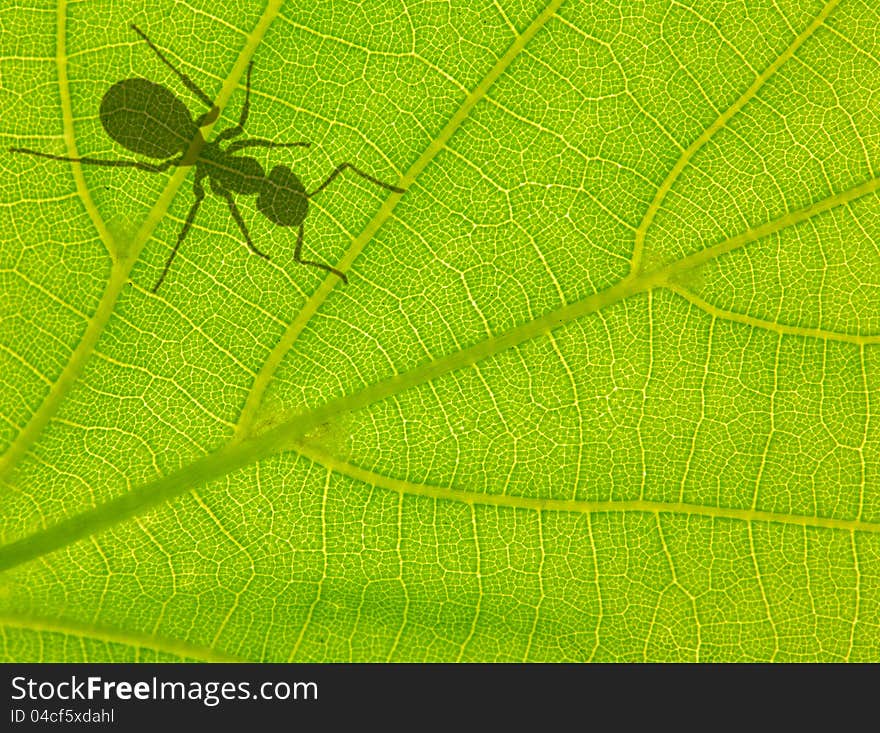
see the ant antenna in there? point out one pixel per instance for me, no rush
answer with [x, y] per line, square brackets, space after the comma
[187, 82]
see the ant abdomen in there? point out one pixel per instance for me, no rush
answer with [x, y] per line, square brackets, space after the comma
[147, 118]
[283, 198]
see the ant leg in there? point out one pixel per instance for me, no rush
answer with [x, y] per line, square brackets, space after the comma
[342, 167]
[259, 143]
[200, 195]
[205, 119]
[245, 110]
[150, 167]
[236, 214]
[297, 257]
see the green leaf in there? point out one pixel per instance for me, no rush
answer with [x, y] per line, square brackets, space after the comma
[603, 385]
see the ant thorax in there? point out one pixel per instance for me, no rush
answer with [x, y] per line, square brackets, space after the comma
[237, 174]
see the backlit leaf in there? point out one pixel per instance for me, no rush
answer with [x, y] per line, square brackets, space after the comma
[603, 384]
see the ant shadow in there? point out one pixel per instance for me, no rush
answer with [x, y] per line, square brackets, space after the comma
[148, 119]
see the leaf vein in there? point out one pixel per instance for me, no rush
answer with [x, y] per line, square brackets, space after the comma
[111, 636]
[767, 325]
[121, 267]
[719, 124]
[252, 404]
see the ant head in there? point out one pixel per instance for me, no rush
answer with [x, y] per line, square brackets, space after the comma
[146, 118]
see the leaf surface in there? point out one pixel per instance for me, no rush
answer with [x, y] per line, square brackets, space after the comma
[603, 384]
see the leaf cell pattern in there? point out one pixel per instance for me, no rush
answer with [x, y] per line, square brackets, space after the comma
[603, 386]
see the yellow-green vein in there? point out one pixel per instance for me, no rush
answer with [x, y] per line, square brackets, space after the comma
[718, 124]
[112, 636]
[284, 436]
[126, 256]
[446, 493]
[69, 134]
[780, 328]
[255, 396]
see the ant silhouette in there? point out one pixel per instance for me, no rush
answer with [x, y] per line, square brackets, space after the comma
[146, 118]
